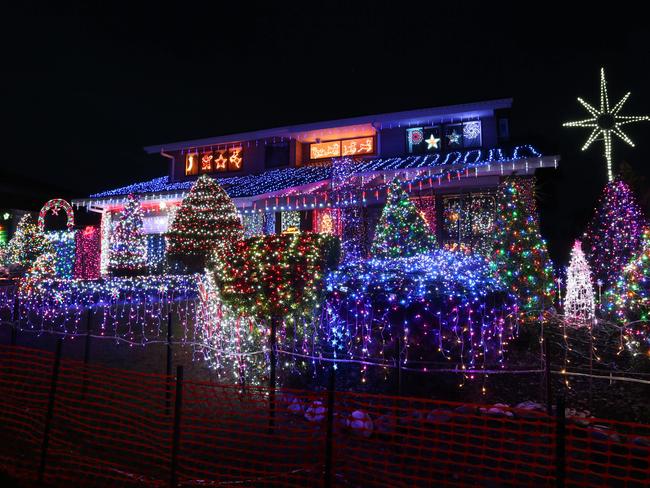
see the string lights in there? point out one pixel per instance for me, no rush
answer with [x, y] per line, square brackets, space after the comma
[579, 302]
[614, 233]
[606, 122]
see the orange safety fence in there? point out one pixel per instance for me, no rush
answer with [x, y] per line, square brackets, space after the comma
[111, 427]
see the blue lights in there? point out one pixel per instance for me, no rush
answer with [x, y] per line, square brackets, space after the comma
[284, 178]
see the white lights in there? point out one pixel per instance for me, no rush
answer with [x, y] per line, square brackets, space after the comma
[579, 303]
[606, 121]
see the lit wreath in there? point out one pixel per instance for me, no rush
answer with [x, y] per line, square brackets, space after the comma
[54, 206]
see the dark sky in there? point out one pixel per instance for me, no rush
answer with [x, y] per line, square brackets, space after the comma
[85, 86]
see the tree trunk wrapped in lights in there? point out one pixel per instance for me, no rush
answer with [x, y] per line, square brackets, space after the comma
[521, 259]
[206, 224]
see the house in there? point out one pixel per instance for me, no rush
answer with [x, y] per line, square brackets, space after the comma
[332, 176]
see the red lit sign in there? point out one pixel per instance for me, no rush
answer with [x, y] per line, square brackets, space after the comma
[346, 147]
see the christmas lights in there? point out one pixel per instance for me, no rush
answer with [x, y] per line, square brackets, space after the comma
[281, 179]
[401, 231]
[133, 310]
[521, 259]
[606, 122]
[232, 345]
[629, 298]
[63, 243]
[614, 233]
[87, 260]
[27, 244]
[277, 275]
[206, 222]
[442, 305]
[55, 205]
[128, 251]
[579, 303]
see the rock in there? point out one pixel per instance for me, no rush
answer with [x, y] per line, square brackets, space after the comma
[499, 412]
[360, 423]
[295, 406]
[438, 416]
[316, 411]
[466, 409]
[530, 405]
[642, 441]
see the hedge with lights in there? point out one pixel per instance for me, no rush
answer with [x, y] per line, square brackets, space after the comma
[277, 275]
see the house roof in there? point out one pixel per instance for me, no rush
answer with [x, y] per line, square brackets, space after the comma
[278, 180]
[466, 111]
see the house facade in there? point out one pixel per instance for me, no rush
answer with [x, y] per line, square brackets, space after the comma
[333, 176]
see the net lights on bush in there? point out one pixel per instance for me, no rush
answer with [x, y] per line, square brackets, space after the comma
[442, 305]
[605, 122]
[133, 310]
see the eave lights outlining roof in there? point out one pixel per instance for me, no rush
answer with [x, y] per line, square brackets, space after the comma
[433, 170]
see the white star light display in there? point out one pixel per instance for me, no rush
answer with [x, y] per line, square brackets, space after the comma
[606, 121]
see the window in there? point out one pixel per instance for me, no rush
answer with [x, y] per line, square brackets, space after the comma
[450, 137]
[277, 154]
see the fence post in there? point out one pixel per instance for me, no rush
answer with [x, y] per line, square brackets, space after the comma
[176, 436]
[168, 390]
[50, 410]
[14, 333]
[329, 439]
[560, 443]
[547, 374]
[272, 374]
[398, 361]
[86, 354]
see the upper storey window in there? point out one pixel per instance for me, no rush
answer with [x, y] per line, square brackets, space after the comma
[358, 146]
[423, 140]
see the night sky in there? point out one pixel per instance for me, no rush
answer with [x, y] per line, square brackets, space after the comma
[86, 86]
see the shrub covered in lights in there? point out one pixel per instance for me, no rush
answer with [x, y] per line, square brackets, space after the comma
[277, 275]
[442, 304]
[521, 259]
[206, 222]
[401, 231]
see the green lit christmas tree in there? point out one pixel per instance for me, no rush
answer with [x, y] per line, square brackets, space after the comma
[629, 298]
[27, 244]
[206, 225]
[128, 250]
[401, 231]
[521, 259]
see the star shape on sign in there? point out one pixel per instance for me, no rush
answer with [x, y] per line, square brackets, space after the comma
[454, 137]
[432, 142]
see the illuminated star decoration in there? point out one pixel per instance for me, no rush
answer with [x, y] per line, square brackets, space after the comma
[432, 142]
[454, 137]
[606, 122]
